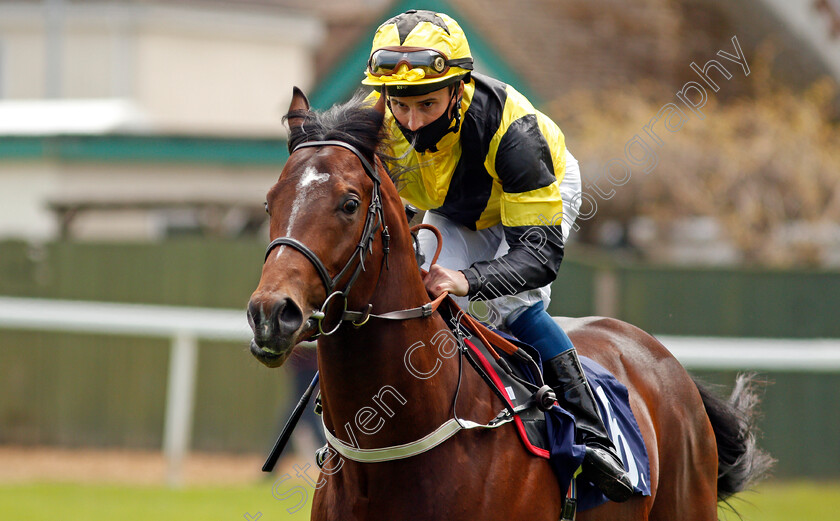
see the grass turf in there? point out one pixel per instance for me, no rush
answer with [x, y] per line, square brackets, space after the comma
[77, 502]
[775, 501]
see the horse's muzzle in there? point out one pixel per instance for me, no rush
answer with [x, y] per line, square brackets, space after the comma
[268, 358]
[276, 325]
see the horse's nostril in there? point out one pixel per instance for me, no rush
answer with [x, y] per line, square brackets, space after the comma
[254, 315]
[289, 315]
[261, 324]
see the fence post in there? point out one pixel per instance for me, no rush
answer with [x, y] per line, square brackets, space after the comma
[180, 396]
[606, 293]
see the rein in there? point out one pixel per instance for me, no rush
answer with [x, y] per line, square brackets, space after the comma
[374, 219]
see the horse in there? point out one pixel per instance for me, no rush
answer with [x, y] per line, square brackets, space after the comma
[337, 221]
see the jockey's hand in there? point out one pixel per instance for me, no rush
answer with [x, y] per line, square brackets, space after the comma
[440, 279]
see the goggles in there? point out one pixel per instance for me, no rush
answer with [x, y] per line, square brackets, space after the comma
[385, 61]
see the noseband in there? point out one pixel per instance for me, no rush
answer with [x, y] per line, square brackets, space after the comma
[374, 219]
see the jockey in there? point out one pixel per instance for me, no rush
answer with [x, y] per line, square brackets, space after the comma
[495, 177]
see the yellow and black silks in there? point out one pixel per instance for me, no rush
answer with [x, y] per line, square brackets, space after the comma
[504, 165]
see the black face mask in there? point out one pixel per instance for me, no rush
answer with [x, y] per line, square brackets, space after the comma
[426, 137]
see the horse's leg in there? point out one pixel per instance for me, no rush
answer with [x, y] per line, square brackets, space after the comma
[681, 445]
[688, 471]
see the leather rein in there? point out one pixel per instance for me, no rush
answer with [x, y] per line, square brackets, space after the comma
[374, 220]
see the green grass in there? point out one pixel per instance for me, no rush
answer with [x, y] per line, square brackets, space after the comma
[789, 501]
[778, 501]
[76, 502]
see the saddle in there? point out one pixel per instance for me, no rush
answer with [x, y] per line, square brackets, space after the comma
[512, 370]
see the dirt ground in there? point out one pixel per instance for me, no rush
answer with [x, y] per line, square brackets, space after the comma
[39, 464]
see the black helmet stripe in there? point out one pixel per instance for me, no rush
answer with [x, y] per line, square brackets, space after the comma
[407, 21]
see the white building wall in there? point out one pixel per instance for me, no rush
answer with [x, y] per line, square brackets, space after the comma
[202, 85]
[87, 61]
[25, 188]
[24, 49]
[141, 67]
[30, 191]
[221, 70]
[164, 182]
[166, 185]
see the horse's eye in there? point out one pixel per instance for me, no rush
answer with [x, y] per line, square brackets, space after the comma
[266, 208]
[351, 206]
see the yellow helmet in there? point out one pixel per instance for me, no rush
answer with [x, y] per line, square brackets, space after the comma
[418, 52]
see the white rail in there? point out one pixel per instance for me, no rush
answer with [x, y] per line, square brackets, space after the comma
[763, 354]
[125, 319]
[185, 326]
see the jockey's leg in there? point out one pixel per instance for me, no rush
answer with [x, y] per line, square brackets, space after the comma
[563, 372]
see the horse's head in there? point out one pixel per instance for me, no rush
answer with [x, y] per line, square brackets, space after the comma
[325, 216]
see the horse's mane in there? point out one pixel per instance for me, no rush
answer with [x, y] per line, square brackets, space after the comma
[356, 122]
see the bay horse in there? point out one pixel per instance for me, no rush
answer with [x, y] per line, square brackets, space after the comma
[341, 251]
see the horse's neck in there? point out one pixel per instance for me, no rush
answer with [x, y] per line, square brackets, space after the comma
[401, 370]
[392, 371]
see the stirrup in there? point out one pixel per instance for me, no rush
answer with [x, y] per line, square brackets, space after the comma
[570, 501]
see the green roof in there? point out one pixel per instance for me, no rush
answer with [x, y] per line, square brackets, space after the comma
[137, 148]
[340, 84]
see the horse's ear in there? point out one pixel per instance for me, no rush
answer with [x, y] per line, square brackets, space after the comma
[299, 104]
[380, 104]
[299, 101]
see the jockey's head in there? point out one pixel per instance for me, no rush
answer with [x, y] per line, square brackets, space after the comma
[418, 60]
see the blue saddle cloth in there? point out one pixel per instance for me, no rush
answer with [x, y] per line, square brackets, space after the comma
[559, 432]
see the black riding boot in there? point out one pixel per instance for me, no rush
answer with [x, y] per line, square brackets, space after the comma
[601, 465]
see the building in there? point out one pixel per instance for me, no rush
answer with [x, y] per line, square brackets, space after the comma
[136, 118]
[141, 119]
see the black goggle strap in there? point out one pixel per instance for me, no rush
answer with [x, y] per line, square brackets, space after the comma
[457, 108]
[464, 63]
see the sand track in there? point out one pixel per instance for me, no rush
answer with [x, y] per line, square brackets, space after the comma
[49, 464]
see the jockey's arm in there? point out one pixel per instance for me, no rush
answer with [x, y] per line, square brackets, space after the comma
[536, 205]
[533, 260]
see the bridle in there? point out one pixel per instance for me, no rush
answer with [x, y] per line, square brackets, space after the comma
[374, 220]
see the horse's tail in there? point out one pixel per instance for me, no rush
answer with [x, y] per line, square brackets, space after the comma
[740, 461]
